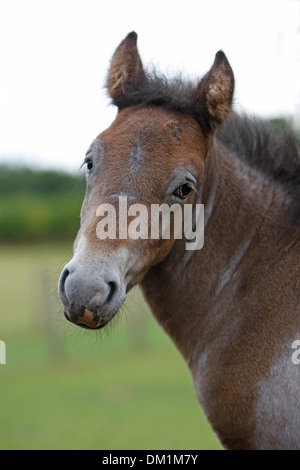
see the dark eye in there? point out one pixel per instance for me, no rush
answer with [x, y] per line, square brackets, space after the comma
[183, 191]
[89, 164]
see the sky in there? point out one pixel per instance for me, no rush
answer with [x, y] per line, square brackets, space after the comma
[54, 57]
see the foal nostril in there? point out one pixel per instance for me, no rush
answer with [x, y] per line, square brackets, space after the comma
[64, 276]
[112, 290]
[61, 286]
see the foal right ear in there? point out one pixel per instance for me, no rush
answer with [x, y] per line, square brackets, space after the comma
[214, 94]
[126, 71]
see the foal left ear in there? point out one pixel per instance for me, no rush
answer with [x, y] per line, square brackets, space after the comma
[126, 71]
[214, 94]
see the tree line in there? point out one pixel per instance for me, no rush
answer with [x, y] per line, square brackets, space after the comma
[39, 205]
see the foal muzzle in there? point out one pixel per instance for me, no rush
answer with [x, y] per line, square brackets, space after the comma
[90, 301]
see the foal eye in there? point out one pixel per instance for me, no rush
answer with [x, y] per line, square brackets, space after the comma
[89, 164]
[183, 191]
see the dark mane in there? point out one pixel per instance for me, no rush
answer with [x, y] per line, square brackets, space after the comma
[260, 146]
[253, 140]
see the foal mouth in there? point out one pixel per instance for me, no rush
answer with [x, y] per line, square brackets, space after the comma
[93, 328]
[91, 325]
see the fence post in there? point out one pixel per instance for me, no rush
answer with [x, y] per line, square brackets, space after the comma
[55, 346]
[2, 353]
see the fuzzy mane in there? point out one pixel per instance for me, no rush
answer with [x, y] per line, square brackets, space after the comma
[260, 146]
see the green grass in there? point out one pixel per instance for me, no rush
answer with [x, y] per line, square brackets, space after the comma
[64, 388]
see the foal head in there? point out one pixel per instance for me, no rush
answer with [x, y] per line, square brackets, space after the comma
[153, 153]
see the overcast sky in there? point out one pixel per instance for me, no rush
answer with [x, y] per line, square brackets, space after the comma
[54, 56]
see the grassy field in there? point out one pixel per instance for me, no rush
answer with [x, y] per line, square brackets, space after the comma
[64, 388]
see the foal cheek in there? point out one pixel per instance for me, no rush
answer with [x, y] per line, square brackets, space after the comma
[159, 250]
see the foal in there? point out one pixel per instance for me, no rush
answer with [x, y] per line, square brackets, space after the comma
[231, 308]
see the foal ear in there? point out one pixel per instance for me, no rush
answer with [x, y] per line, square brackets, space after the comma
[215, 93]
[126, 71]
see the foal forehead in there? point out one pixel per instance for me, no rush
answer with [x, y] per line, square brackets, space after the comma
[145, 150]
[150, 130]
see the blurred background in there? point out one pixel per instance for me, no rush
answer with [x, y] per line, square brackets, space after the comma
[126, 387]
